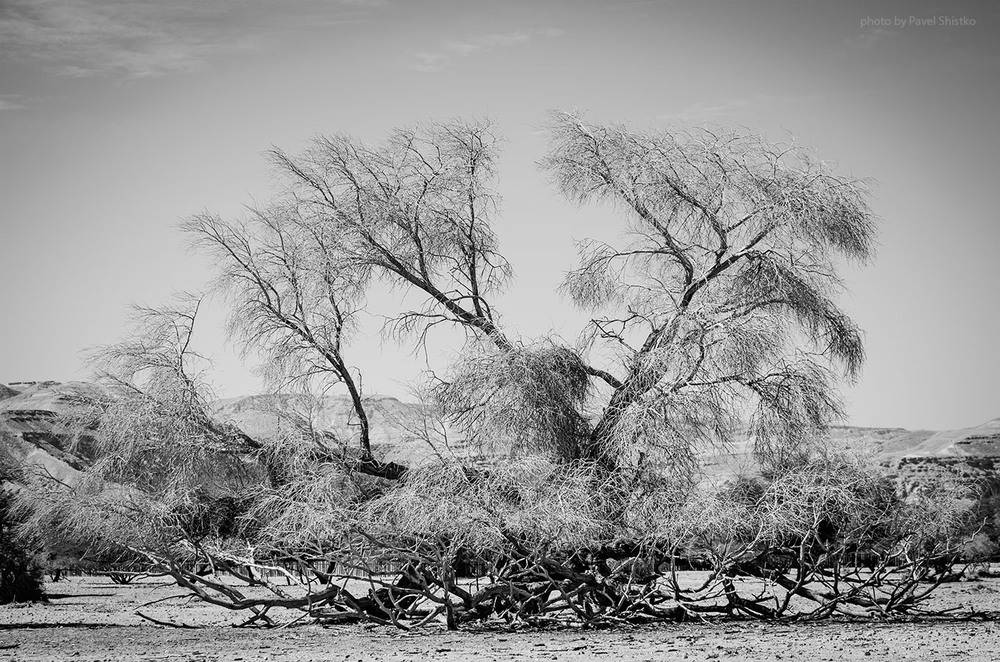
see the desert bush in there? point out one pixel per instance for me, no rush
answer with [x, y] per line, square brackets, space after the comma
[21, 577]
[985, 544]
[557, 542]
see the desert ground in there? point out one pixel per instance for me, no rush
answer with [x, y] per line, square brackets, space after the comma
[90, 618]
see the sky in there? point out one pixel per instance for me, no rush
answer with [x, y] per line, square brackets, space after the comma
[119, 118]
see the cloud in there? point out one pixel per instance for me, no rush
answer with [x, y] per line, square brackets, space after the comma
[428, 61]
[126, 39]
[20, 101]
[11, 102]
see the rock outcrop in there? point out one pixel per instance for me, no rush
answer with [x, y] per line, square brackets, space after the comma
[31, 436]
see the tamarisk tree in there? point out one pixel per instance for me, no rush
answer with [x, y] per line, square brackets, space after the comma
[719, 304]
[713, 312]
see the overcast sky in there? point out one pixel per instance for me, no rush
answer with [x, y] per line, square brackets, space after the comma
[119, 118]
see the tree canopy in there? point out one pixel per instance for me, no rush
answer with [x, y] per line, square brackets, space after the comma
[720, 299]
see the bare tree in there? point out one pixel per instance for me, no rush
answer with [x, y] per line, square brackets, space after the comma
[719, 303]
[154, 415]
[414, 212]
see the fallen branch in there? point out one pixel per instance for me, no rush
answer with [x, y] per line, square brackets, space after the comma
[182, 626]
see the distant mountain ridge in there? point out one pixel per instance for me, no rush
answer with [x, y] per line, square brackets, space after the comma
[29, 435]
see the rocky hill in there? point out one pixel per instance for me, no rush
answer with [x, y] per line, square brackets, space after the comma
[912, 458]
[29, 435]
[968, 455]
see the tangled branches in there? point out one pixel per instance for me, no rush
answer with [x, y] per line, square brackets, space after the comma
[540, 543]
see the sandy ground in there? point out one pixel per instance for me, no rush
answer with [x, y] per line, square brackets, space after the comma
[90, 618]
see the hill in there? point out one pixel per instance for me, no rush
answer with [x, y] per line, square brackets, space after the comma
[912, 458]
[400, 431]
[7, 392]
[29, 435]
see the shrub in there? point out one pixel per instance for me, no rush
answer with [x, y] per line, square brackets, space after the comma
[555, 542]
[20, 576]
